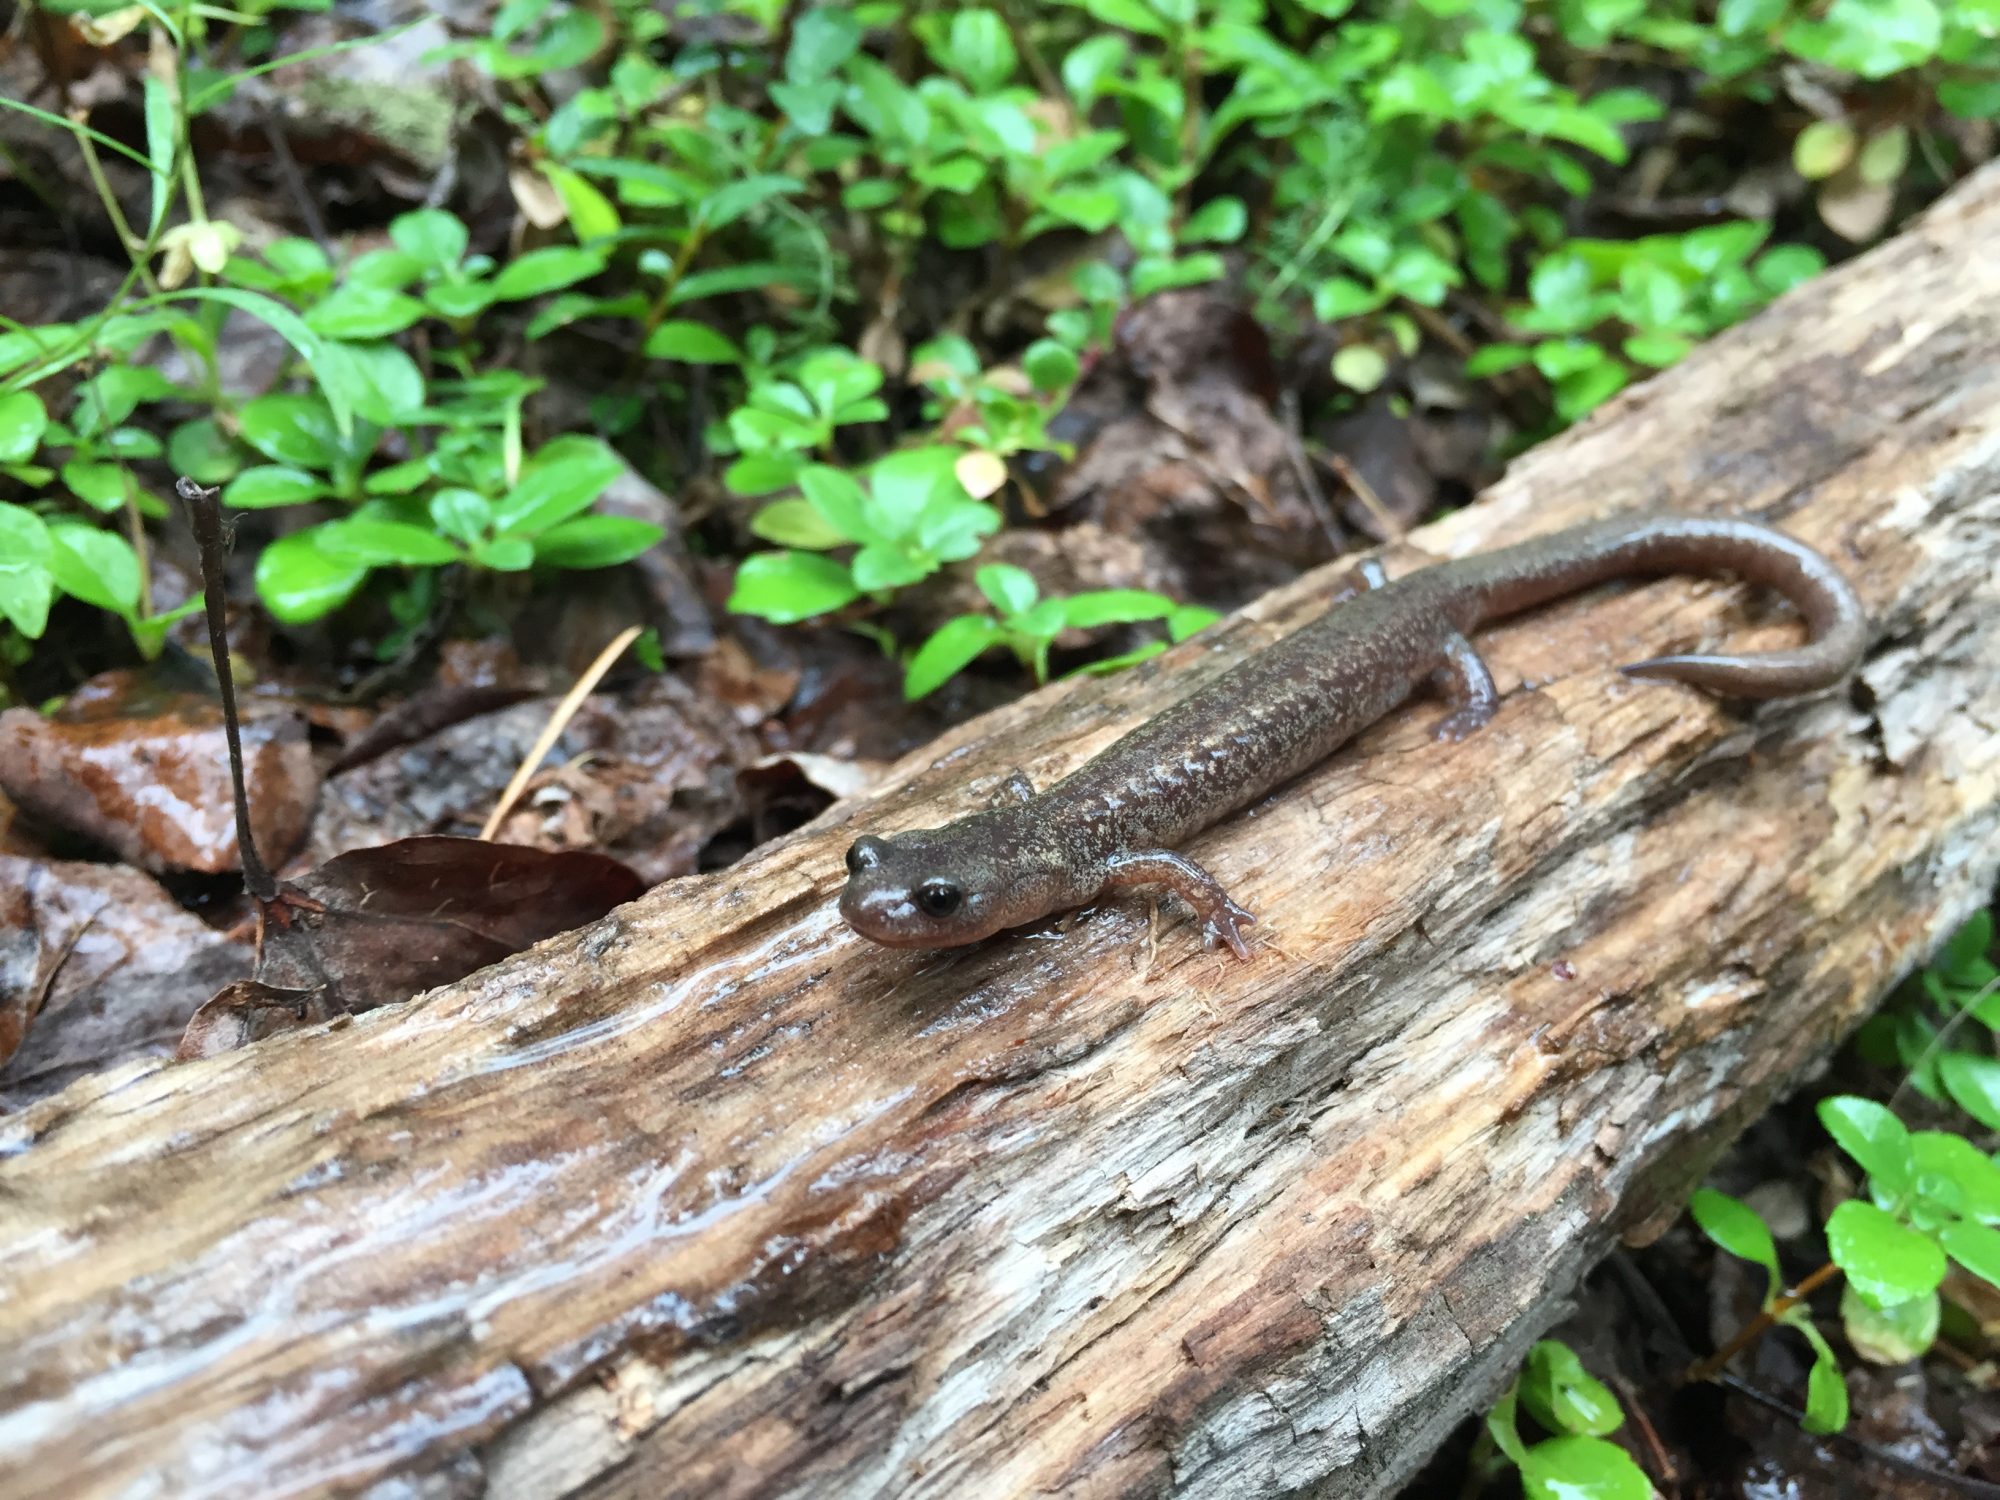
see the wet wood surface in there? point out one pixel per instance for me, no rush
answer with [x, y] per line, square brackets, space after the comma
[712, 1198]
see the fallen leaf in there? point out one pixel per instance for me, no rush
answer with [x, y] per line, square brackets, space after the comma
[143, 769]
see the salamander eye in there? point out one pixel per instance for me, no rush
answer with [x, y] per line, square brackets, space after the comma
[939, 898]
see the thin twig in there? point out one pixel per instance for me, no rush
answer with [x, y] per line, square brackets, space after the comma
[205, 517]
[1391, 528]
[1757, 1327]
[558, 721]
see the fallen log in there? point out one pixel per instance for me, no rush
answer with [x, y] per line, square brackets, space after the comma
[712, 1198]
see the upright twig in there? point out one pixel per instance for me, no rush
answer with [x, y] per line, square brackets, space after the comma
[205, 518]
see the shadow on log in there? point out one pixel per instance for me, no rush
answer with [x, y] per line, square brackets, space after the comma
[713, 1198]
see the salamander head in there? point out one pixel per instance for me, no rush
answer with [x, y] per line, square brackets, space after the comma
[941, 887]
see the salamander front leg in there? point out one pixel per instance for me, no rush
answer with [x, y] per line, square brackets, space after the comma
[1468, 687]
[1222, 920]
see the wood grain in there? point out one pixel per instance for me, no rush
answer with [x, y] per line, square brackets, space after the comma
[714, 1199]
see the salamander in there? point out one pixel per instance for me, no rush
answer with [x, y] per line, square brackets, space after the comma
[1117, 820]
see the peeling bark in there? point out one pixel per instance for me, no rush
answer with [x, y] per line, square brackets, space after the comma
[713, 1199]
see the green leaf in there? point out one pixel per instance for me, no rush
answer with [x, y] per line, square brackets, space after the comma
[130, 442]
[1158, 273]
[98, 567]
[762, 473]
[505, 554]
[1219, 221]
[297, 430]
[840, 503]
[1563, 1396]
[1343, 297]
[545, 270]
[596, 541]
[378, 382]
[795, 523]
[1503, 1425]
[25, 597]
[1736, 18]
[947, 653]
[1130, 15]
[1962, 960]
[1558, 358]
[566, 477]
[785, 587]
[380, 543]
[392, 270]
[1496, 357]
[363, 312]
[1360, 367]
[461, 513]
[162, 147]
[823, 38]
[299, 583]
[267, 485]
[1650, 296]
[200, 450]
[1050, 365]
[112, 394]
[592, 216]
[876, 569]
[459, 301]
[1012, 590]
[1087, 611]
[1737, 1228]
[744, 278]
[1823, 148]
[979, 50]
[1941, 1154]
[1582, 1468]
[23, 420]
[1873, 1136]
[1589, 389]
[1713, 247]
[1970, 98]
[1886, 1261]
[1974, 1246]
[1871, 38]
[1974, 1085]
[431, 237]
[1826, 1392]
[24, 540]
[1656, 350]
[1892, 1335]
[692, 343]
[100, 486]
[904, 484]
[733, 200]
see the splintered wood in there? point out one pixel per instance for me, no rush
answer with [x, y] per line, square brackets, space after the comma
[713, 1198]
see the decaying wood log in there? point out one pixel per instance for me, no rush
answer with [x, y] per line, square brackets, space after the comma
[714, 1199]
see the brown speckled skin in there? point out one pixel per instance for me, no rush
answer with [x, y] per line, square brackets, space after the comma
[1115, 821]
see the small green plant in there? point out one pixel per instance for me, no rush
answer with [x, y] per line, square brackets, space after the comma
[1574, 1461]
[1931, 1197]
[1028, 625]
[1915, 1030]
[42, 559]
[1604, 309]
[912, 517]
